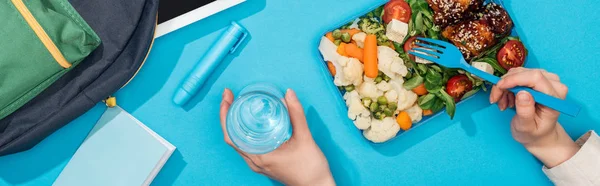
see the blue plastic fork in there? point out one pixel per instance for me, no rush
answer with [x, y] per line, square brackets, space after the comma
[449, 56]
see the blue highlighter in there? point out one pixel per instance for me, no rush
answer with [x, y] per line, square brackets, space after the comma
[227, 43]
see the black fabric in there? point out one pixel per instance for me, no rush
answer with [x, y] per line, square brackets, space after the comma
[126, 28]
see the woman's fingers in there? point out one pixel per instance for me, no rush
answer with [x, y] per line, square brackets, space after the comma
[225, 104]
[297, 117]
[561, 89]
[526, 112]
[533, 78]
[503, 103]
[497, 93]
[511, 100]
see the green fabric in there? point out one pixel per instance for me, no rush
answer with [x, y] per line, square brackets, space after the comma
[26, 66]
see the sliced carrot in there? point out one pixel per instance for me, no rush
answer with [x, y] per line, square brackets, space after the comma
[370, 56]
[331, 68]
[420, 90]
[342, 49]
[427, 112]
[353, 51]
[404, 120]
[329, 36]
[351, 31]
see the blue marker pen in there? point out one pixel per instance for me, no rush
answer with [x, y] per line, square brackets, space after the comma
[225, 45]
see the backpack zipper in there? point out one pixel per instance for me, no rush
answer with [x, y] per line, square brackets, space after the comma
[41, 33]
[147, 54]
[111, 101]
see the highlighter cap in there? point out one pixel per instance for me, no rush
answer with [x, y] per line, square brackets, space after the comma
[258, 122]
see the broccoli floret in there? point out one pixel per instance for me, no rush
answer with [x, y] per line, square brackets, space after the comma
[369, 26]
[382, 39]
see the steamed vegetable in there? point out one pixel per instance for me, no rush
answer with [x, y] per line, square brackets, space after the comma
[331, 67]
[352, 50]
[386, 89]
[370, 56]
[404, 120]
[329, 36]
[420, 90]
[342, 49]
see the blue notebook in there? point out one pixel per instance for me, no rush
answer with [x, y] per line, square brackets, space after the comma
[119, 150]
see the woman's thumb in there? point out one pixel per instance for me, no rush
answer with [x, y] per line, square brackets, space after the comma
[297, 117]
[525, 112]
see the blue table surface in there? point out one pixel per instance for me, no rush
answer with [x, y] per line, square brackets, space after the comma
[475, 148]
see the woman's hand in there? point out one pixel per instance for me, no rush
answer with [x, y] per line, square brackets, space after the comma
[299, 161]
[535, 126]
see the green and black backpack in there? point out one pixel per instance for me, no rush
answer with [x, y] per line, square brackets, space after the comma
[59, 58]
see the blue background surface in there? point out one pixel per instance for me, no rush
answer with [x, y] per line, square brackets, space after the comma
[474, 149]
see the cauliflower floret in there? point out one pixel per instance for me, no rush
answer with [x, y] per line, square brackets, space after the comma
[368, 79]
[399, 67]
[391, 96]
[406, 99]
[328, 49]
[415, 112]
[349, 71]
[359, 38]
[382, 130]
[384, 52]
[363, 123]
[396, 30]
[390, 63]
[339, 79]
[369, 90]
[384, 86]
[353, 71]
[356, 111]
[354, 24]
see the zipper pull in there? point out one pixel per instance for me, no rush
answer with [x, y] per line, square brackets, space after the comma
[110, 101]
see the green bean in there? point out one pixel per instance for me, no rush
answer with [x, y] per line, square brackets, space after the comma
[378, 80]
[382, 100]
[349, 88]
[387, 78]
[337, 34]
[373, 107]
[346, 37]
[393, 106]
[379, 115]
[337, 42]
[388, 112]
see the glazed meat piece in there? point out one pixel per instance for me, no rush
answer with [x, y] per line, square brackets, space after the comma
[448, 12]
[498, 19]
[471, 37]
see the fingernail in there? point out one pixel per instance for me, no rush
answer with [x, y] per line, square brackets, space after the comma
[224, 92]
[291, 95]
[523, 97]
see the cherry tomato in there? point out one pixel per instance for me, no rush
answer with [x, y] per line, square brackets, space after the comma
[458, 85]
[512, 54]
[409, 44]
[396, 9]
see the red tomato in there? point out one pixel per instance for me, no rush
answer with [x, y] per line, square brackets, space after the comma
[512, 54]
[396, 9]
[409, 44]
[458, 85]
